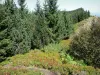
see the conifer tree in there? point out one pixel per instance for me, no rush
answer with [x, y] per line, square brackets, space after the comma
[19, 33]
[5, 41]
[42, 34]
[22, 7]
[64, 26]
[51, 9]
[61, 31]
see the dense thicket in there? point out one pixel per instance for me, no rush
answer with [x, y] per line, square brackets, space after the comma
[22, 30]
[86, 43]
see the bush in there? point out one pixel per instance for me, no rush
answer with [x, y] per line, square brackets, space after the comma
[86, 42]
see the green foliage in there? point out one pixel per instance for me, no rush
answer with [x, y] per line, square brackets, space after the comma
[85, 43]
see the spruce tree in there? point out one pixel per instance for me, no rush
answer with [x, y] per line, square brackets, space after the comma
[22, 7]
[5, 41]
[42, 34]
[51, 15]
[64, 26]
[19, 33]
[51, 9]
[61, 31]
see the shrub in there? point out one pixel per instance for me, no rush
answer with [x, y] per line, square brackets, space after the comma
[85, 43]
